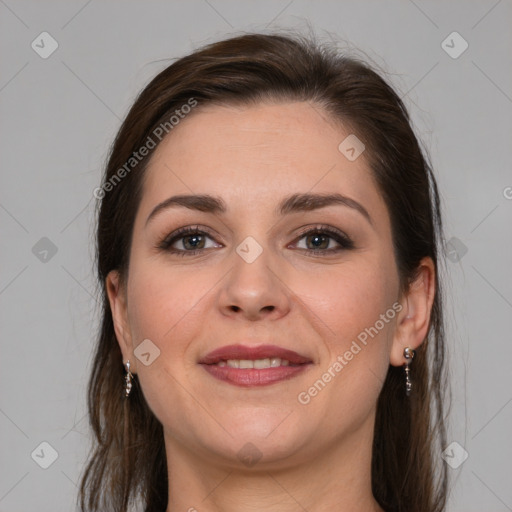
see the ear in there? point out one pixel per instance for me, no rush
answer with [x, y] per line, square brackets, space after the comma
[118, 305]
[414, 319]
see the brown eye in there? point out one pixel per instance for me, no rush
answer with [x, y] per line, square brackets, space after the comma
[191, 242]
[187, 241]
[324, 240]
[317, 241]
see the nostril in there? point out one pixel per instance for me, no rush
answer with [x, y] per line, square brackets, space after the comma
[265, 308]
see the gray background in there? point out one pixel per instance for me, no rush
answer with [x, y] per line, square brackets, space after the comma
[59, 115]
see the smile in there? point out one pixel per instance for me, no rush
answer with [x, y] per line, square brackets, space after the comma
[254, 366]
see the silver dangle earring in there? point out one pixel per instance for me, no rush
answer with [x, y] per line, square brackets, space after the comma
[127, 379]
[409, 355]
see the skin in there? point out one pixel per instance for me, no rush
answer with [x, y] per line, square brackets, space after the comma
[315, 456]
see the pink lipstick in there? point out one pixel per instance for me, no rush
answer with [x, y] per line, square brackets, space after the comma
[246, 366]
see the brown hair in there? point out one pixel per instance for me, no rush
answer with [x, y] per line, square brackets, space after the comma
[128, 461]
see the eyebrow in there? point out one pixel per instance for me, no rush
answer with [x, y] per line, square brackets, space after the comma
[292, 204]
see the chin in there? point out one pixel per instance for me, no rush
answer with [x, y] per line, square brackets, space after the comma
[259, 435]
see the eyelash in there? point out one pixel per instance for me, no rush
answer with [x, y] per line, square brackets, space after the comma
[341, 238]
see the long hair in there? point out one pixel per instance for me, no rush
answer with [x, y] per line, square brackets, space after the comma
[128, 460]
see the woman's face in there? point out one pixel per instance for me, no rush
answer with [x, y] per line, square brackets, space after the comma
[266, 262]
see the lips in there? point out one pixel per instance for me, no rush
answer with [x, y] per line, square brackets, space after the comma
[246, 366]
[243, 352]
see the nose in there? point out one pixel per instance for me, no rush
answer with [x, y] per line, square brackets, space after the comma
[254, 291]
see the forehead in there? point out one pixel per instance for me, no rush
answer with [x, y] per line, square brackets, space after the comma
[287, 130]
[258, 151]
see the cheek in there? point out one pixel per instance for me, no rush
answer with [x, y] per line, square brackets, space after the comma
[348, 301]
[164, 310]
[356, 310]
[163, 303]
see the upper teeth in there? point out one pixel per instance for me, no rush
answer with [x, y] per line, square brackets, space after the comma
[257, 363]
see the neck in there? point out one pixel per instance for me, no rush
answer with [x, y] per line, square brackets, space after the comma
[337, 478]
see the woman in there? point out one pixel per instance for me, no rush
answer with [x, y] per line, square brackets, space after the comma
[272, 333]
